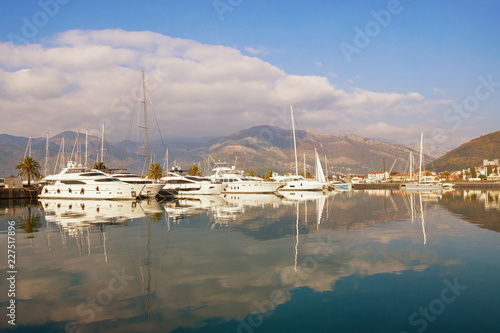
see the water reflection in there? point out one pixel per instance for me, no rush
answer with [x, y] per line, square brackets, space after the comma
[239, 262]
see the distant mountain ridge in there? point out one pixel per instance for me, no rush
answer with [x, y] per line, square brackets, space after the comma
[470, 154]
[259, 149]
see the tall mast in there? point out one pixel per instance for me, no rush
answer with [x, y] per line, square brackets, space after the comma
[145, 116]
[46, 155]
[102, 143]
[295, 143]
[411, 165]
[86, 147]
[421, 149]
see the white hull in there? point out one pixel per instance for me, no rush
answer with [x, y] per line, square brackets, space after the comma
[203, 189]
[121, 191]
[252, 187]
[421, 187]
[151, 190]
[302, 186]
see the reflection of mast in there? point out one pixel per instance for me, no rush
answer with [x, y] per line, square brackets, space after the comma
[423, 220]
[297, 237]
[148, 262]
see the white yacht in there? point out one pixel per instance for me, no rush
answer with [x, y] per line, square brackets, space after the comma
[77, 182]
[176, 183]
[237, 183]
[297, 182]
[150, 189]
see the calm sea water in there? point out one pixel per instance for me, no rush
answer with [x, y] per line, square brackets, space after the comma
[372, 261]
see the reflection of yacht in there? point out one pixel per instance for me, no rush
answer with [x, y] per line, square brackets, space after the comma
[76, 182]
[78, 213]
[302, 195]
[150, 189]
[192, 205]
[190, 185]
[237, 183]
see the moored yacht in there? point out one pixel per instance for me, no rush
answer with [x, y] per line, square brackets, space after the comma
[237, 183]
[84, 183]
[298, 183]
[150, 189]
[179, 184]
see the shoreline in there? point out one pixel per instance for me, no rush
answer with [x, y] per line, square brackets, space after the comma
[458, 186]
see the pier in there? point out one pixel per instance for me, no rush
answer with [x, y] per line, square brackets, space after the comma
[19, 193]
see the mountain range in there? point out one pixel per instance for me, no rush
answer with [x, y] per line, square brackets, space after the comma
[259, 149]
[472, 153]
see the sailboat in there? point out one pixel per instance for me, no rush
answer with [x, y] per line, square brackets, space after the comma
[151, 189]
[422, 186]
[297, 182]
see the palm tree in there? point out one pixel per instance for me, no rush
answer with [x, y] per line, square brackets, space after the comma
[155, 171]
[29, 167]
[99, 166]
[194, 170]
[30, 224]
[268, 174]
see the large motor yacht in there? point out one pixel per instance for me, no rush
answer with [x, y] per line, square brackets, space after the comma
[84, 183]
[177, 183]
[237, 183]
[150, 189]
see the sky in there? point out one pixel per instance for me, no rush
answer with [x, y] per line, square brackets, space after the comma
[386, 70]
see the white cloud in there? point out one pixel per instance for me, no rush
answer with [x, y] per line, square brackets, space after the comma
[79, 79]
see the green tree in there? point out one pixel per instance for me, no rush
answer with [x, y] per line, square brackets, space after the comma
[99, 166]
[30, 224]
[250, 173]
[446, 175]
[194, 170]
[29, 167]
[308, 174]
[473, 173]
[155, 171]
[467, 175]
[489, 170]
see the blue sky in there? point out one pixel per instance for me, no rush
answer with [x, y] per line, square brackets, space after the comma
[405, 77]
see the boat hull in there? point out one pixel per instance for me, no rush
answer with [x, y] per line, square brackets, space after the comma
[421, 187]
[252, 187]
[91, 191]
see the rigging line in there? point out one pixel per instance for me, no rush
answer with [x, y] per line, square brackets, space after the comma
[157, 124]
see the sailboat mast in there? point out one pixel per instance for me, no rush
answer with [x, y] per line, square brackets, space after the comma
[421, 149]
[145, 116]
[86, 147]
[46, 155]
[294, 143]
[102, 144]
[411, 165]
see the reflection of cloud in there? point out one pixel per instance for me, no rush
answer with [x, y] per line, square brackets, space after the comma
[84, 78]
[197, 273]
